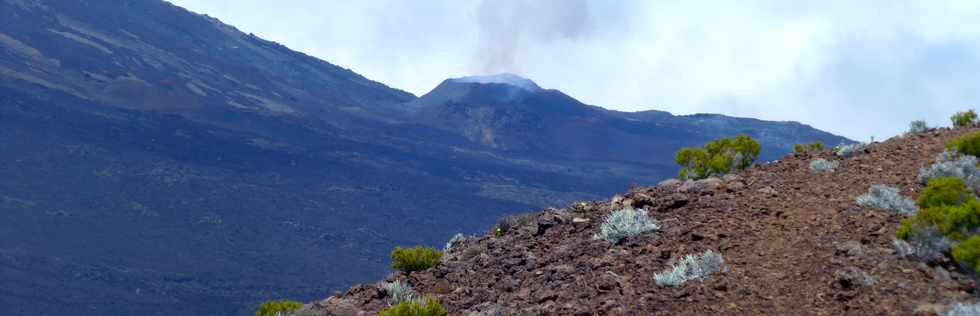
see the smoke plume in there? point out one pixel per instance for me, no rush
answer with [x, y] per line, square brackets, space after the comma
[507, 28]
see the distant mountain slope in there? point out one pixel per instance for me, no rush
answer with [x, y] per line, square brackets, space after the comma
[510, 113]
[152, 55]
[159, 162]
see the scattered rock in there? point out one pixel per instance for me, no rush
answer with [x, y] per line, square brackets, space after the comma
[700, 185]
[770, 191]
[332, 306]
[545, 222]
[851, 278]
[581, 223]
[442, 287]
[670, 184]
[930, 309]
[850, 249]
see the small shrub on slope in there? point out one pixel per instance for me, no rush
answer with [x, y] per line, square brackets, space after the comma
[885, 197]
[961, 309]
[966, 144]
[947, 206]
[821, 165]
[624, 223]
[918, 126]
[692, 267]
[951, 164]
[961, 119]
[927, 243]
[507, 223]
[278, 308]
[414, 259]
[851, 150]
[950, 218]
[961, 221]
[718, 157]
[458, 238]
[805, 148]
[967, 253]
[415, 307]
[945, 191]
[397, 292]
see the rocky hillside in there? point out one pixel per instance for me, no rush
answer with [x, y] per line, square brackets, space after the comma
[794, 242]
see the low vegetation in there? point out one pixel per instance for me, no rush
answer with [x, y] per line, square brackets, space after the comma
[397, 292]
[962, 309]
[952, 164]
[414, 259]
[821, 165]
[718, 157]
[807, 148]
[946, 191]
[966, 144]
[918, 127]
[967, 253]
[692, 267]
[427, 306]
[949, 219]
[624, 223]
[506, 223]
[851, 150]
[885, 197]
[458, 238]
[962, 119]
[278, 308]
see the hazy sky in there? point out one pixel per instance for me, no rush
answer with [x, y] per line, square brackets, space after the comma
[856, 68]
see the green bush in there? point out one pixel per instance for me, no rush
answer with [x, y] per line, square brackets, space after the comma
[799, 148]
[961, 119]
[968, 253]
[966, 144]
[427, 307]
[414, 259]
[806, 148]
[959, 221]
[947, 205]
[274, 308]
[944, 191]
[718, 157]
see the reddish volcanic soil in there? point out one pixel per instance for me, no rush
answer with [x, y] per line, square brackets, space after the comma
[794, 240]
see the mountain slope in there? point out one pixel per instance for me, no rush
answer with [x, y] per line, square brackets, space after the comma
[794, 240]
[513, 114]
[152, 55]
[158, 162]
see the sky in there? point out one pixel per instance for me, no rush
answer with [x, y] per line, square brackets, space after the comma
[860, 69]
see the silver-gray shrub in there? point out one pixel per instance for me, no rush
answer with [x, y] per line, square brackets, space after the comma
[850, 150]
[398, 292]
[821, 165]
[926, 243]
[918, 126]
[951, 164]
[962, 309]
[624, 223]
[692, 267]
[452, 242]
[886, 197]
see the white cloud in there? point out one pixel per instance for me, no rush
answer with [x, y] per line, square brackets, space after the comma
[858, 68]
